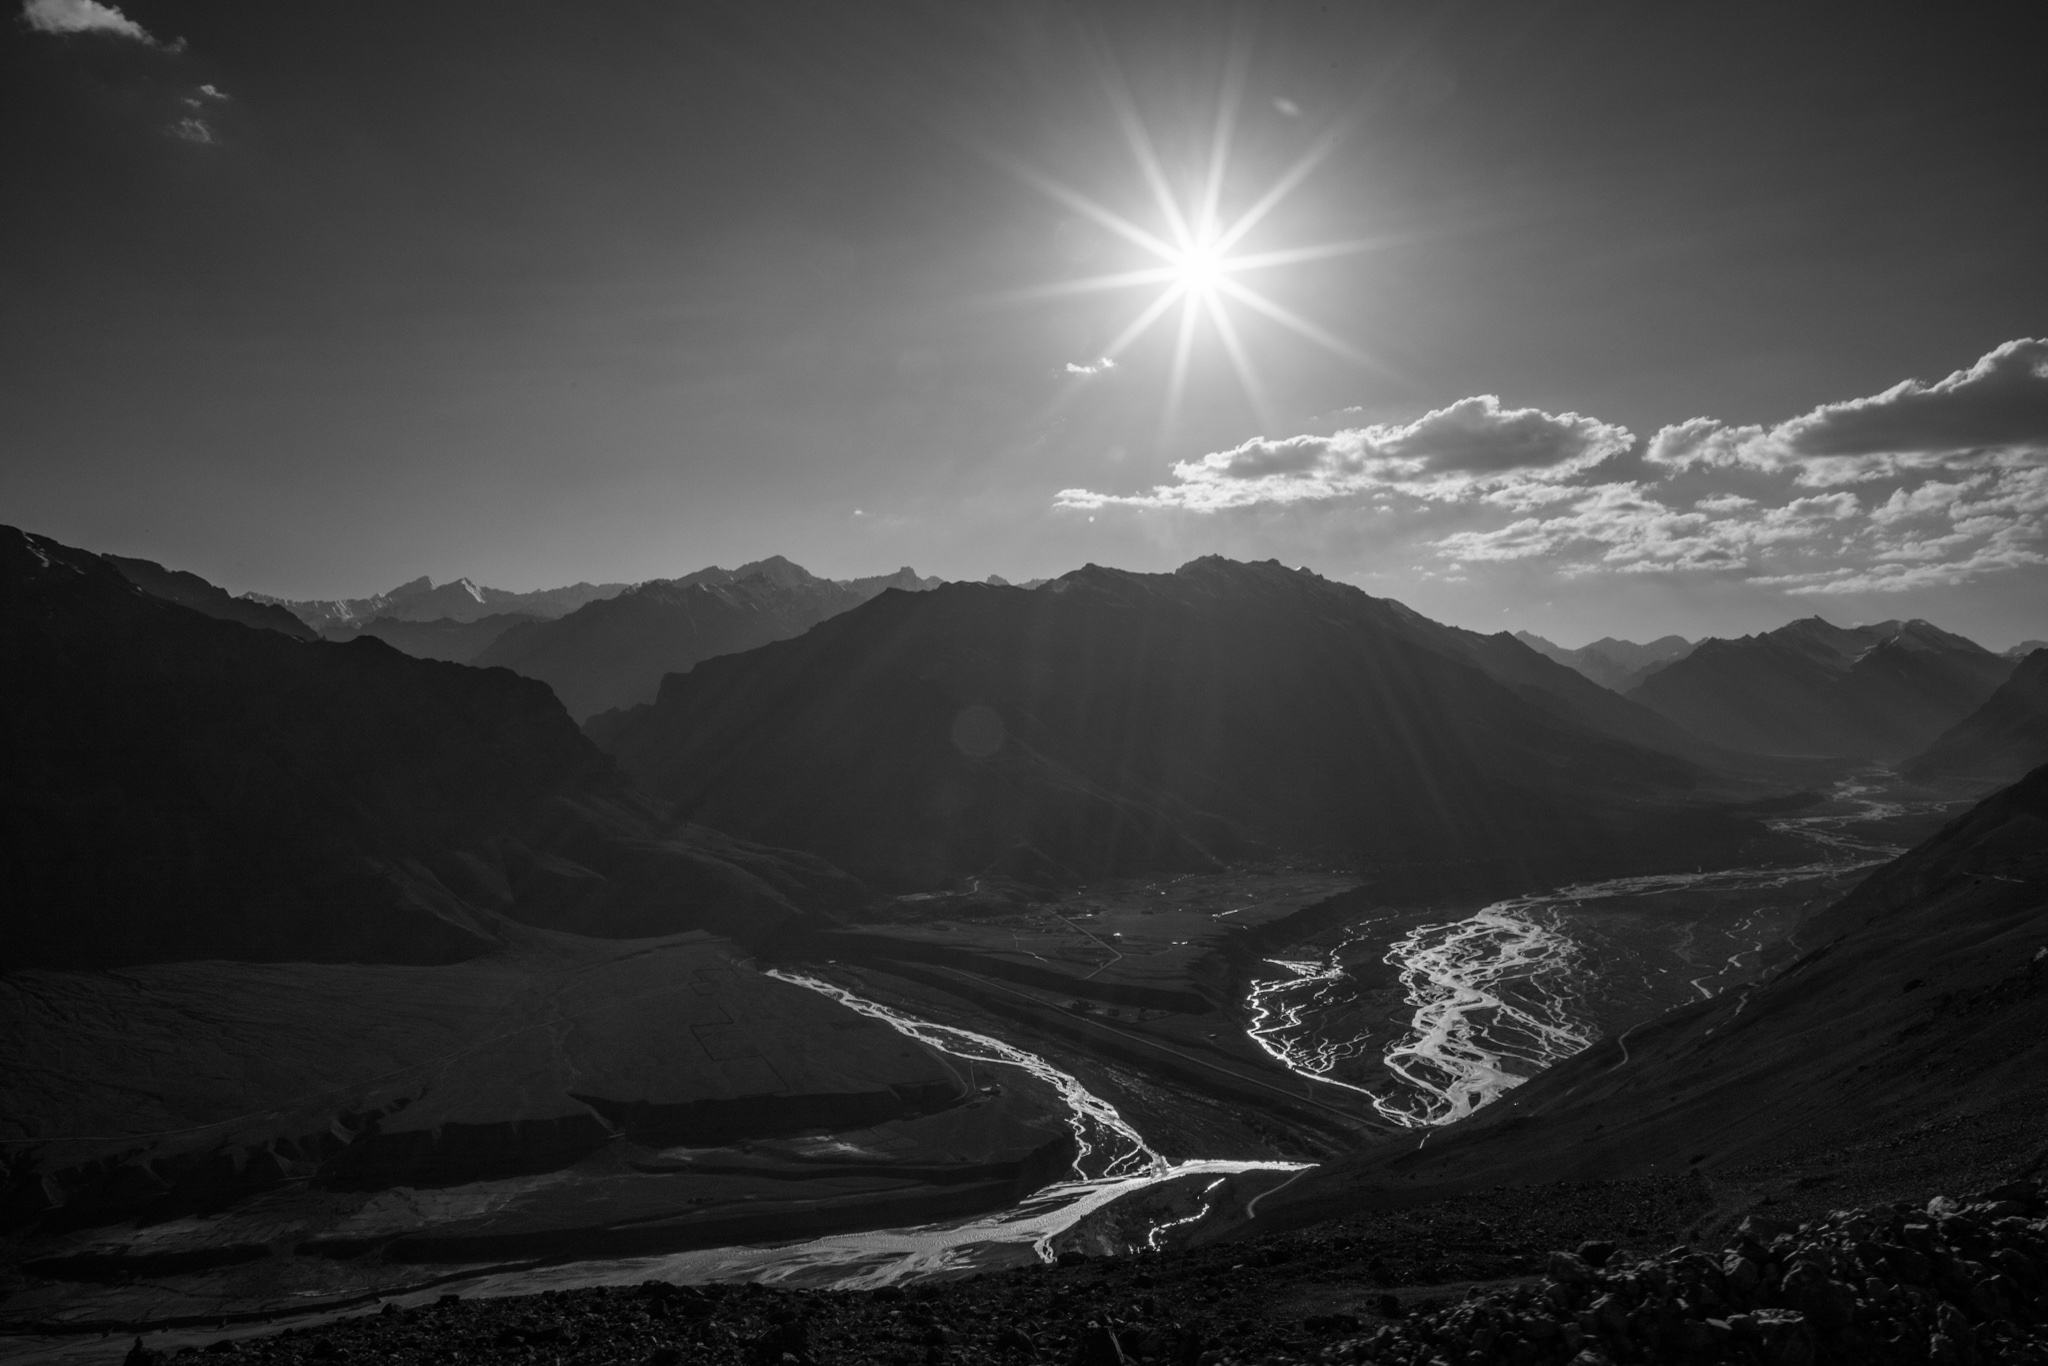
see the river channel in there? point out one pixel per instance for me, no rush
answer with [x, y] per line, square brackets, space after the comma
[1430, 1019]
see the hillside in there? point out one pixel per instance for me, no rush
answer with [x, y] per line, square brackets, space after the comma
[614, 653]
[1110, 722]
[458, 642]
[184, 787]
[1910, 1039]
[189, 590]
[2000, 740]
[1811, 688]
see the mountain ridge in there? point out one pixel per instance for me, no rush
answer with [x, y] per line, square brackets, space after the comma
[185, 786]
[613, 652]
[1880, 692]
[1111, 721]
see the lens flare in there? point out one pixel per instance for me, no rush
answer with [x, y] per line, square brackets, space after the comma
[1198, 257]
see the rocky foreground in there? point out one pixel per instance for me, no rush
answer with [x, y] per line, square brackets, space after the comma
[1958, 1282]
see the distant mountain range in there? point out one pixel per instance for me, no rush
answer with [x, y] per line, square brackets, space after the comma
[1615, 664]
[613, 652]
[181, 786]
[424, 600]
[1812, 688]
[2002, 739]
[1111, 722]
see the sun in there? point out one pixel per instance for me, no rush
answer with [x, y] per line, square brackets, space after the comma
[1197, 258]
[1197, 269]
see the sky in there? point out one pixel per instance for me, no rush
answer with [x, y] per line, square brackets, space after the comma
[1583, 319]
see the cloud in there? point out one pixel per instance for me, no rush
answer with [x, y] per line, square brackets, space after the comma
[192, 130]
[1094, 367]
[82, 16]
[1922, 485]
[1470, 447]
[1997, 406]
[2001, 401]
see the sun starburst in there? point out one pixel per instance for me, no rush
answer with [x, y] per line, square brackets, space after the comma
[1198, 260]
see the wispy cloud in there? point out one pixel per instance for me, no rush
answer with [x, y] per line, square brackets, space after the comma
[1923, 484]
[193, 130]
[1097, 366]
[83, 16]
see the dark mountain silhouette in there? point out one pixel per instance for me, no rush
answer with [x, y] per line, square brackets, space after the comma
[2025, 648]
[1809, 687]
[185, 787]
[1617, 665]
[189, 590]
[1112, 722]
[424, 600]
[2006, 736]
[458, 642]
[1914, 1026]
[613, 653]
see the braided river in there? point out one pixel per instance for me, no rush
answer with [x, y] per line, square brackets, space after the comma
[1428, 1019]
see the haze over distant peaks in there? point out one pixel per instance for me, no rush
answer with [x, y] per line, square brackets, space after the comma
[423, 600]
[1881, 691]
[613, 652]
[1616, 664]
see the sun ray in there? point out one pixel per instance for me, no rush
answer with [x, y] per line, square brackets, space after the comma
[1088, 208]
[1140, 324]
[1241, 362]
[1286, 185]
[1195, 252]
[1289, 318]
[1093, 284]
[1290, 256]
[1183, 352]
[1208, 221]
[1140, 142]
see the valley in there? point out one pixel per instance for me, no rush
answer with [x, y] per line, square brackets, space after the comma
[1143, 1062]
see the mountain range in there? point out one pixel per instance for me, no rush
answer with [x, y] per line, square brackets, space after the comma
[181, 786]
[323, 923]
[1879, 692]
[1111, 722]
[614, 652]
[1615, 664]
[424, 600]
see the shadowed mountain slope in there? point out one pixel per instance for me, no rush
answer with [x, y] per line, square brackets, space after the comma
[1873, 692]
[189, 590]
[2005, 737]
[458, 642]
[181, 787]
[1919, 1008]
[1112, 722]
[614, 653]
